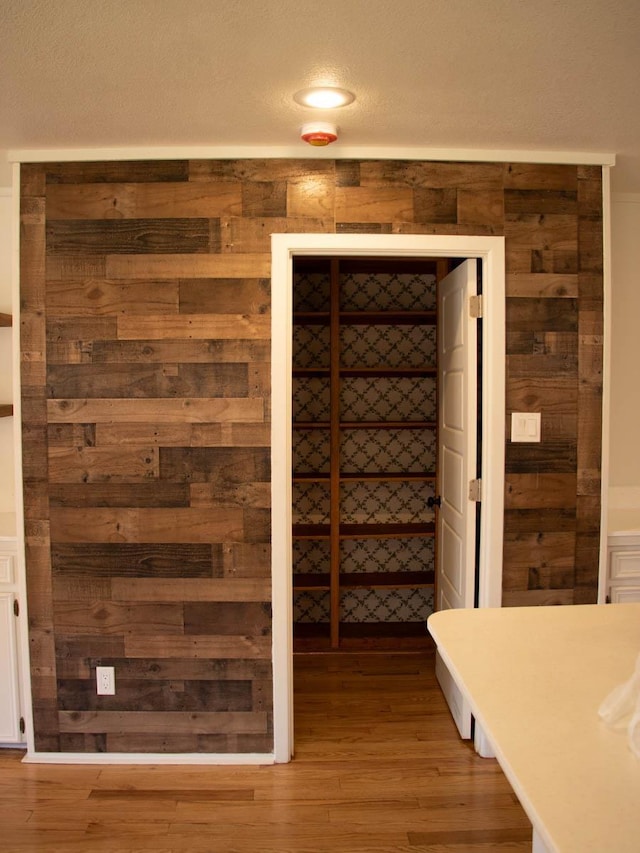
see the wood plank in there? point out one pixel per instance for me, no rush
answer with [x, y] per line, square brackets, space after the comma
[155, 411]
[245, 495]
[123, 559]
[224, 467]
[161, 721]
[538, 285]
[129, 236]
[102, 464]
[480, 209]
[119, 494]
[364, 204]
[94, 297]
[117, 171]
[550, 314]
[224, 296]
[550, 455]
[253, 235]
[538, 598]
[129, 618]
[476, 176]
[175, 525]
[225, 646]
[80, 328]
[221, 618]
[292, 170]
[207, 326]
[553, 395]
[228, 265]
[544, 491]
[242, 589]
[532, 176]
[540, 201]
[184, 351]
[313, 198]
[436, 205]
[148, 380]
[143, 200]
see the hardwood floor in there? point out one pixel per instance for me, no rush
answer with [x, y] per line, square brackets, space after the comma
[378, 768]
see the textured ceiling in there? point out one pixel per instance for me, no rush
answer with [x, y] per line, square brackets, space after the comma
[506, 74]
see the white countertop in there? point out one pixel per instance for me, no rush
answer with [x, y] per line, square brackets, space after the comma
[535, 677]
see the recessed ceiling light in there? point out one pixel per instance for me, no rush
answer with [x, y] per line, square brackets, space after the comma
[324, 97]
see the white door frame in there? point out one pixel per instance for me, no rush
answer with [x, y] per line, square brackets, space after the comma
[284, 247]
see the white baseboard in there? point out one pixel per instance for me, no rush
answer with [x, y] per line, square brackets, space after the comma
[148, 758]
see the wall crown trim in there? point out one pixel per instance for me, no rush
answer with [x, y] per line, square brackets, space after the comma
[300, 152]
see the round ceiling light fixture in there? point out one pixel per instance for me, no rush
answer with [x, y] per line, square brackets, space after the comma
[324, 97]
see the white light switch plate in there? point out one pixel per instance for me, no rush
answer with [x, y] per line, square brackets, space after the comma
[525, 426]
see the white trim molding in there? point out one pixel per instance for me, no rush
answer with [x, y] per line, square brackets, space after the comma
[148, 758]
[302, 151]
[490, 250]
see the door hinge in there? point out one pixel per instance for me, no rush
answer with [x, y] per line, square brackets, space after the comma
[475, 490]
[22, 726]
[16, 607]
[475, 307]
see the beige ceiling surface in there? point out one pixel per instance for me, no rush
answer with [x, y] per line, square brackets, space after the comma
[553, 75]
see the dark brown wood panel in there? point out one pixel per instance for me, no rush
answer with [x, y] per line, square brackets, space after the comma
[145, 333]
[131, 236]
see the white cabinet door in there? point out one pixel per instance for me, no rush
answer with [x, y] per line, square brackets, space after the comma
[9, 683]
[623, 582]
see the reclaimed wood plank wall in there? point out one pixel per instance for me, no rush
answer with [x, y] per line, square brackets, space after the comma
[145, 396]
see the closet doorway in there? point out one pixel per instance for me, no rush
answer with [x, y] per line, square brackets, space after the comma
[407, 249]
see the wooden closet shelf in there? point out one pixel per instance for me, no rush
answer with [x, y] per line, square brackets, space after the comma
[382, 371]
[392, 476]
[386, 531]
[388, 425]
[310, 581]
[382, 476]
[386, 580]
[321, 581]
[6, 320]
[6, 410]
[365, 531]
[367, 318]
[311, 425]
[366, 425]
[311, 318]
[364, 372]
[312, 477]
[388, 318]
[302, 372]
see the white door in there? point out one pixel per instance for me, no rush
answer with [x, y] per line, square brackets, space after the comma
[457, 437]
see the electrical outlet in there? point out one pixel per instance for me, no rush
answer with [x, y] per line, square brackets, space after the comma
[105, 680]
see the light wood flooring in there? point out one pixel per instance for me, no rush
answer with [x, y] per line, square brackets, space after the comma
[378, 768]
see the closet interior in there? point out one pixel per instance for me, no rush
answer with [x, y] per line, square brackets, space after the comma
[365, 450]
